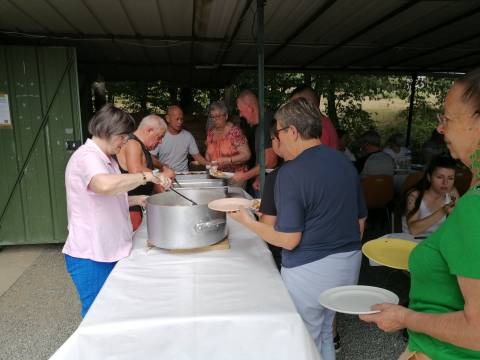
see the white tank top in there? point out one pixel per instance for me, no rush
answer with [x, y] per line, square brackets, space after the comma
[424, 212]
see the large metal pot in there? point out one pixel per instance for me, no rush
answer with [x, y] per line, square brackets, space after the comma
[174, 223]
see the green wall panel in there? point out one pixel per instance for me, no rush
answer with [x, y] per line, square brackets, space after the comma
[31, 76]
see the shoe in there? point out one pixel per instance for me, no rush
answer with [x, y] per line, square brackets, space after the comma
[337, 344]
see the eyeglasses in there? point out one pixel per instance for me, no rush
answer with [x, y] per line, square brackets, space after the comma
[277, 131]
[442, 119]
[219, 116]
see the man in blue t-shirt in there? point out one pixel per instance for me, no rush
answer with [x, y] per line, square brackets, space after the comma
[320, 217]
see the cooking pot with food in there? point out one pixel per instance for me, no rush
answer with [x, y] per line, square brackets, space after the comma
[174, 223]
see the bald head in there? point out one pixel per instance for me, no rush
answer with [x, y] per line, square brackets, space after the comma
[248, 97]
[247, 105]
[307, 93]
[174, 119]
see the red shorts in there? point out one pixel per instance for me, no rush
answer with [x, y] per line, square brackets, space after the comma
[136, 218]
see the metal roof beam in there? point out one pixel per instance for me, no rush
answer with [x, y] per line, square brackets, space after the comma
[28, 15]
[452, 59]
[437, 48]
[111, 37]
[253, 66]
[373, 25]
[162, 24]
[132, 25]
[64, 18]
[192, 43]
[229, 42]
[432, 29]
[103, 27]
[319, 12]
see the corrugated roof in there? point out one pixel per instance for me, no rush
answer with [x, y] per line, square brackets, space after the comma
[207, 42]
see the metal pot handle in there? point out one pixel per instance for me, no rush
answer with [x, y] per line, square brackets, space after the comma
[209, 225]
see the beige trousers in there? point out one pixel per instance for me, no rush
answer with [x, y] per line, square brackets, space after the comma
[408, 355]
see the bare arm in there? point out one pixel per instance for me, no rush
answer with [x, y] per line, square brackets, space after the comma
[201, 160]
[417, 225]
[135, 158]
[284, 240]
[361, 224]
[460, 328]
[157, 163]
[113, 184]
[268, 219]
[242, 156]
[140, 200]
[271, 159]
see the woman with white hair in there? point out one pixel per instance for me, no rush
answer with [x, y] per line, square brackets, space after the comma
[443, 318]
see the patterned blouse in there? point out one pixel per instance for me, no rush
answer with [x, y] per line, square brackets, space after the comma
[227, 146]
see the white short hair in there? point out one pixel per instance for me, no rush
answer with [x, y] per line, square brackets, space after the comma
[154, 121]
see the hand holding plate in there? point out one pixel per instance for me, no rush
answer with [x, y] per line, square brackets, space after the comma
[242, 215]
[390, 318]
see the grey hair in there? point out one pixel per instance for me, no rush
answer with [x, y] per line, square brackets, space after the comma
[301, 114]
[218, 105]
[154, 121]
[471, 83]
[109, 121]
[370, 137]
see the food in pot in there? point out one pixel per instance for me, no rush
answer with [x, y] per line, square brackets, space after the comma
[255, 204]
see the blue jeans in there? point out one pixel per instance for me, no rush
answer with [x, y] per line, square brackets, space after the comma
[88, 277]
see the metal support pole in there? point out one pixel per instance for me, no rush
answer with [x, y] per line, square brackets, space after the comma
[410, 108]
[261, 90]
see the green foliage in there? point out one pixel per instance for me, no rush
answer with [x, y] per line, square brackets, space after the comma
[342, 98]
[278, 86]
[430, 91]
[139, 96]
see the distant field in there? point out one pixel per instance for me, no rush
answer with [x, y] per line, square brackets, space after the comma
[384, 111]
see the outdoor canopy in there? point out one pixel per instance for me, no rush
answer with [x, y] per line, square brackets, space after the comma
[206, 43]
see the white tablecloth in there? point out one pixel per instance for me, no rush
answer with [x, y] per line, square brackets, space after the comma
[223, 304]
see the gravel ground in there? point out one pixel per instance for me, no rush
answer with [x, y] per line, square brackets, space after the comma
[40, 311]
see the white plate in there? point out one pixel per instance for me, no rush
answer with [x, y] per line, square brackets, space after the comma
[229, 204]
[221, 174]
[356, 299]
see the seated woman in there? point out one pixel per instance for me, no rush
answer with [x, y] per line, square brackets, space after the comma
[227, 147]
[428, 203]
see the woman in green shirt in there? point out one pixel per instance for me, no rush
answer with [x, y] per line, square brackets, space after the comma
[443, 319]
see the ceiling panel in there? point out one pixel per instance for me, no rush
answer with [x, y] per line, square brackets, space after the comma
[190, 41]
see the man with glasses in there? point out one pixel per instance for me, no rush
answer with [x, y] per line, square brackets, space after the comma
[178, 143]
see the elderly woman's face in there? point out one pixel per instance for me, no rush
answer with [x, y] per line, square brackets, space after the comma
[219, 118]
[460, 125]
[116, 142]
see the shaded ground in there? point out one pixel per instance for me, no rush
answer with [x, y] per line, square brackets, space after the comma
[40, 311]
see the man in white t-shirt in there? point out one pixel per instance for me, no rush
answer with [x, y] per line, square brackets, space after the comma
[177, 143]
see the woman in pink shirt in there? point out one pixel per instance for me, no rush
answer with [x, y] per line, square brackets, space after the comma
[99, 227]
